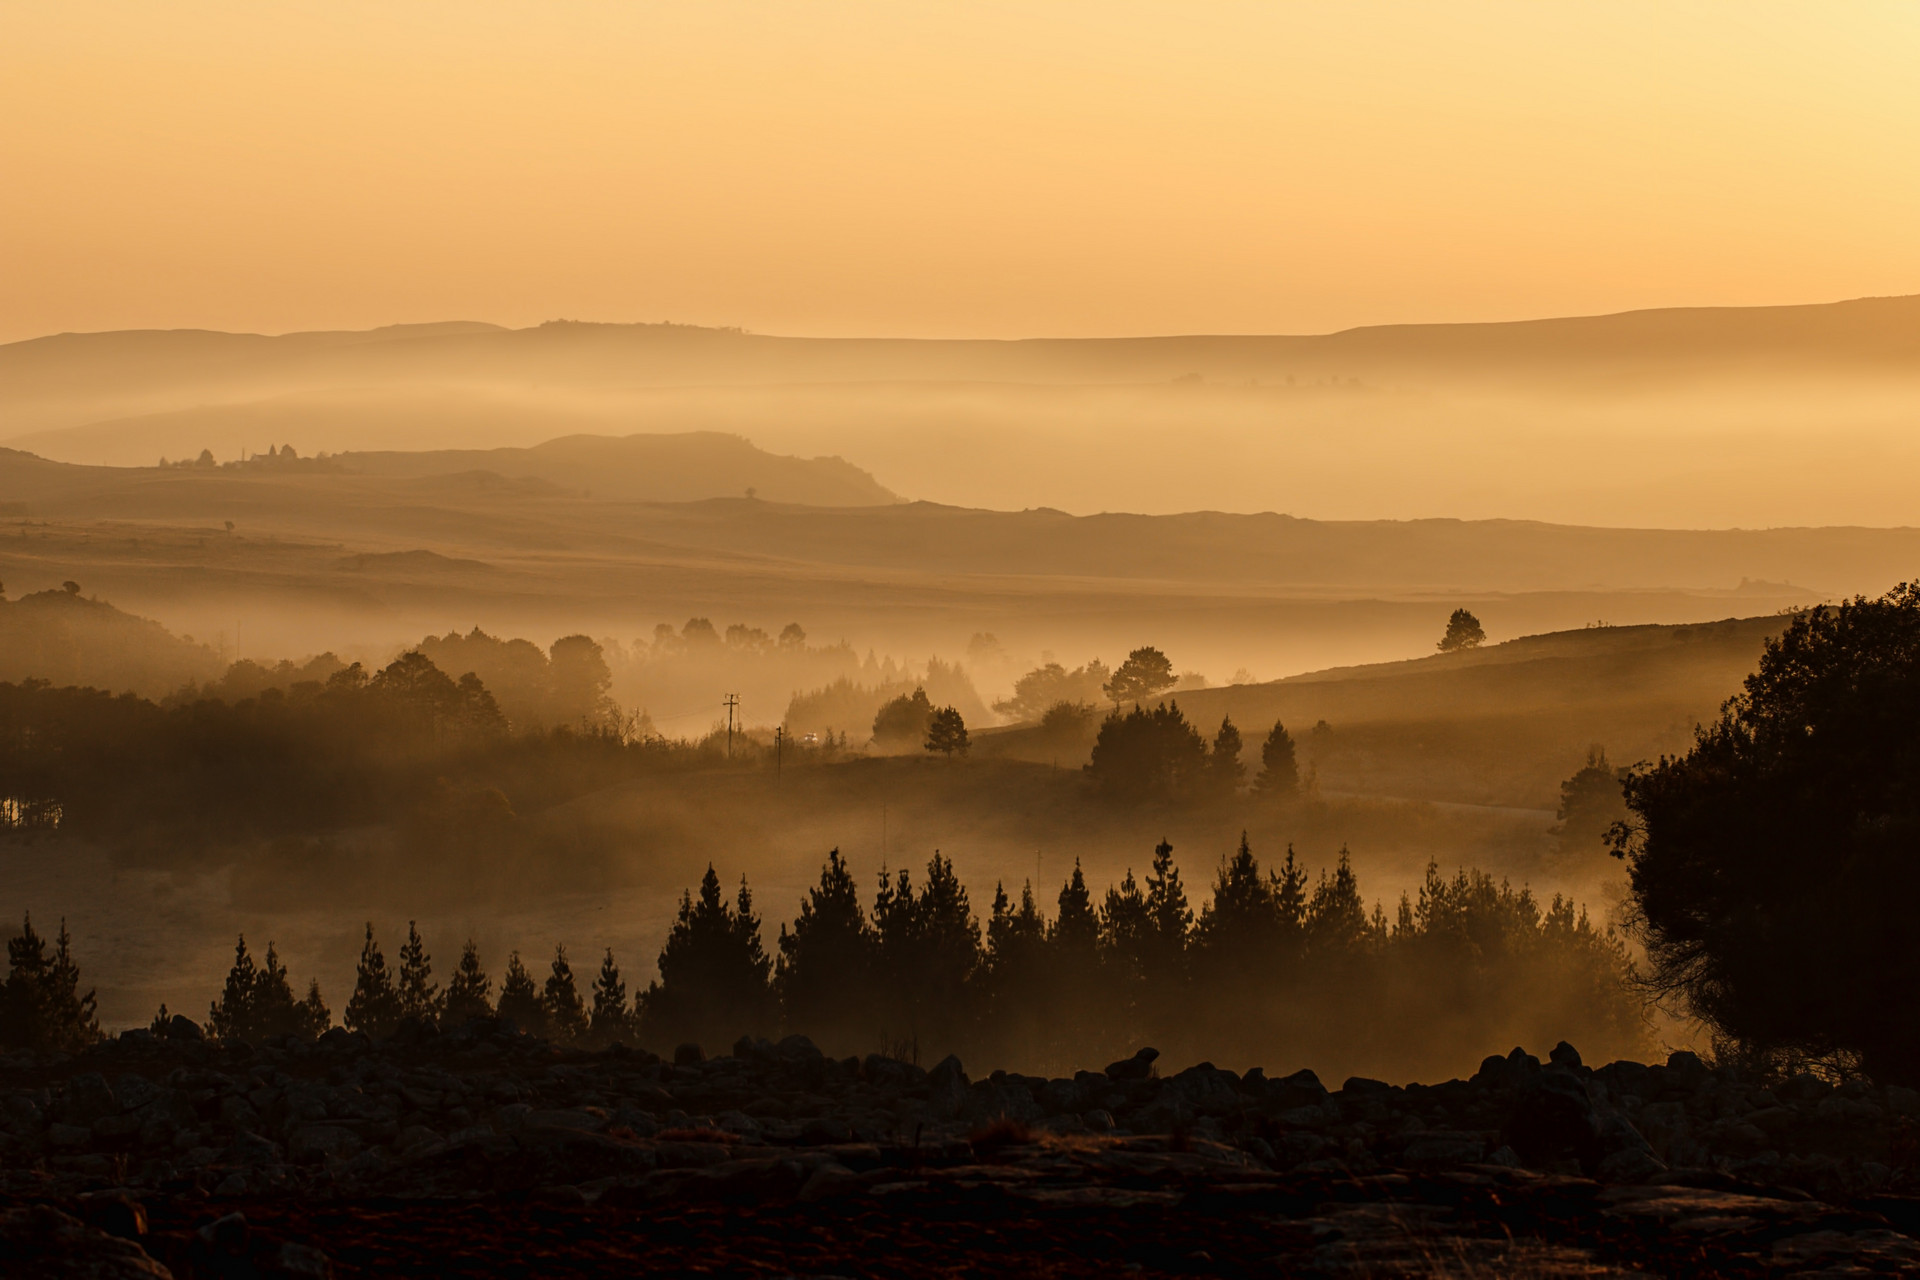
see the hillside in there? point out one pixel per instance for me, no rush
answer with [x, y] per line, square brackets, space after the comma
[648, 468]
[67, 639]
[1502, 725]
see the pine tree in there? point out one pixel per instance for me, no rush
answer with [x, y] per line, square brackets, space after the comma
[715, 977]
[274, 1011]
[313, 1016]
[566, 1013]
[468, 990]
[418, 994]
[825, 976]
[1336, 916]
[41, 1006]
[375, 1005]
[611, 1019]
[520, 999]
[231, 1016]
[1224, 760]
[1170, 918]
[1279, 766]
[1076, 929]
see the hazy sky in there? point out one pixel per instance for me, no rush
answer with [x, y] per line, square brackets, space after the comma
[984, 168]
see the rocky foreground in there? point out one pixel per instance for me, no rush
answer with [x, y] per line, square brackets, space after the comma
[483, 1152]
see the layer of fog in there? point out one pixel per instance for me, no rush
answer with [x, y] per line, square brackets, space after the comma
[1752, 453]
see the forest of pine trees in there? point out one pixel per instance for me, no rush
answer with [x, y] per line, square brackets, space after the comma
[1278, 964]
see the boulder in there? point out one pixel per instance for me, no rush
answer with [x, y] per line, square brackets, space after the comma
[1138, 1067]
[1553, 1119]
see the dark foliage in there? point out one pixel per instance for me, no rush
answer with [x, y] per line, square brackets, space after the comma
[375, 1004]
[1279, 768]
[904, 720]
[41, 1006]
[258, 1003]
[1150, 755]
[1146, 672]
[946, 733]
[715, 978]
[1463, 632]
[469, 989]
[1774, 864]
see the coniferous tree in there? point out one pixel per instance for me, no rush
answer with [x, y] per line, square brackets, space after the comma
[313, 1017]
[41, 1006]
[468, 990]
[418, 994]
[1337, 921]
[612, 1020]
[257, 1003]
[1224, 760]
[566, 1012]
[1279, 766]
[231, 1016]
[715, 977]
[825, 974]
[946, 732]
[520, 999]
[375, 1005]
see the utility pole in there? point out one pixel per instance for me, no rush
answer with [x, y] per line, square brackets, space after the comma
[733, 700]
[779, 741]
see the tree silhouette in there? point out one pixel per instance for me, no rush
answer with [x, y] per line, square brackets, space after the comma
[580, 680]
[41, 1006]
[929, 949]
[520, 999]
[1463, 632]
[1773, 865]
[1145, 755]
[375, 1005]
[904, 719]
[947, 733]
[824, 978]
[418, 994]
[1146, 671]
[1224, 760]
[313, 1017]
[566, 1012]
[257, 1002]
[1279, 770]
[1591, 801]
[714, 975]
[612, 1020]
[469, 989]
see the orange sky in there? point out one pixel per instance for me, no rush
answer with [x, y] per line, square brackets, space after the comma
[927, 168]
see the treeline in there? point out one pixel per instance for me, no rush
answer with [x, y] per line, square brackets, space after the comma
[324, 754]
[1278, 965]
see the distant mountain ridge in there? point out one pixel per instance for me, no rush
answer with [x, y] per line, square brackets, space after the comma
[1868, 334]
[684, 467]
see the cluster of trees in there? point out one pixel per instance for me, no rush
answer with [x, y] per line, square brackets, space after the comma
[41, 1004]
[569, 684]
[850, 702]
[353, 748]
[1157, 754]
[1278, 961]
[912, 720]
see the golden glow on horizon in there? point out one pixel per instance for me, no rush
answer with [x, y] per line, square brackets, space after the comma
[992, 169]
